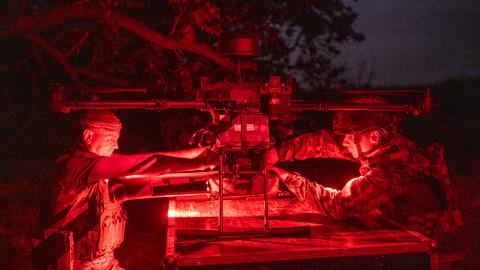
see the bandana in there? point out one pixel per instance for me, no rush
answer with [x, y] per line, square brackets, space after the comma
[101, 120]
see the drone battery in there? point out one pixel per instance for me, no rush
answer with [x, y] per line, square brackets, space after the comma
[247, 130]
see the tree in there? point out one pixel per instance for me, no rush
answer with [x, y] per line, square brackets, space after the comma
[167, 45]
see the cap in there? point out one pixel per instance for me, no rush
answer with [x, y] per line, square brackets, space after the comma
[102, 120]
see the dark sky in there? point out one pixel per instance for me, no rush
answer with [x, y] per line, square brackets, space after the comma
[416, 41]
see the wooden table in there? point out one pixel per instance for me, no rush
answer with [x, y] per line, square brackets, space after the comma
[300, 238]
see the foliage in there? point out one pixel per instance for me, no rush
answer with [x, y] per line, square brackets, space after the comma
[96, 42]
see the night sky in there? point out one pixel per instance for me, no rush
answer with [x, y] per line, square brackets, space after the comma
[416, 41]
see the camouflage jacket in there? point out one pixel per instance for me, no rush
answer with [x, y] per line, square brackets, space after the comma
[406, 184]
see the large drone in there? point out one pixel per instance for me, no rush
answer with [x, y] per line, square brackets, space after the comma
[241, 108]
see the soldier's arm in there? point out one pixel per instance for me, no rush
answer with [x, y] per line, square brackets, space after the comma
[150, 164]
[320, 144]
[185, 153]
[359, 196]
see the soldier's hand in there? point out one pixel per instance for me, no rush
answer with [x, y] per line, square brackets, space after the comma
[271, 156]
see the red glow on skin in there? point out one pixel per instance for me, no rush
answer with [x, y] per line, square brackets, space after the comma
[102, 143]
[186, 153]
[366, 142]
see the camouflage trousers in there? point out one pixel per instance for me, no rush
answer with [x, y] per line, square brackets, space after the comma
[107, 238]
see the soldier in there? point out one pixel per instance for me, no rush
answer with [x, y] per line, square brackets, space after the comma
[408, 185]
[81, 197]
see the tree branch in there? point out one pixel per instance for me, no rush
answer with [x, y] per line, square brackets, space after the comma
[166, 42]
[58, 56]
[33, 22]
[78, 44]
[102, 77]
[29, 24]
[297, 40]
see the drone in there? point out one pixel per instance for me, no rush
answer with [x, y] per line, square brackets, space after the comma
[241, 110]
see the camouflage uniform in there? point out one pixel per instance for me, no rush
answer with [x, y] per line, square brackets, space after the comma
[406, 184]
